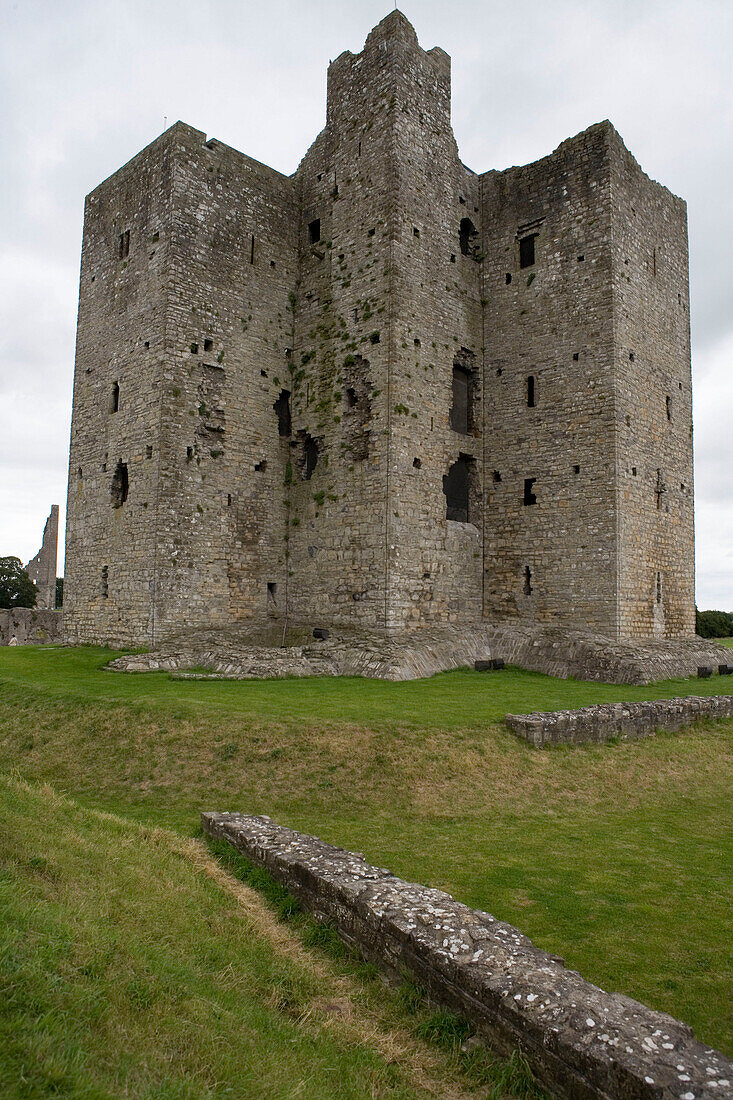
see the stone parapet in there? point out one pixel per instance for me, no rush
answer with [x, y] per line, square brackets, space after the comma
[581, 1042]
[626, 721]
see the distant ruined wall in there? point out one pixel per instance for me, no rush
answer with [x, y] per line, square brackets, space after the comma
[42, 568]
[28, 626]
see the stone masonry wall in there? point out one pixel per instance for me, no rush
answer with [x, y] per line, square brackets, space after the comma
[121, 359]
[581, 1042]
[627, 721]
[29, 626]
[653, 404]
[551, 321]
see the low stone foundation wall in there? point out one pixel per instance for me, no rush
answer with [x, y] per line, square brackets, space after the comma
[582, 1043]
[628, 721]
[232, 653]
[28, 626]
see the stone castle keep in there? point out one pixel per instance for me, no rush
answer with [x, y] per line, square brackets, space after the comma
[386, 391]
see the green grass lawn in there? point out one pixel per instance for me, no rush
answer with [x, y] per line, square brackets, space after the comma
[726, 641]
[617, 856]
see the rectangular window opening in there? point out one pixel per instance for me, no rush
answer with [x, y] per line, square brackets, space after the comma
[124, 244]
[314, 231]
[252, 249]
[104, 582]
[271, 591]
[530, 392]
[529, 494]
[668, 404]
[526, 250]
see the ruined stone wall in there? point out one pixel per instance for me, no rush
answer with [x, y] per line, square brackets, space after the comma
[42, 568]
[654, 403]
[121, 359]
[551, 321]
[30, 626]
[582, 1042]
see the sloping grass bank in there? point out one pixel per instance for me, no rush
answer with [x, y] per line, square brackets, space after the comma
[132, 964]
[616, 857]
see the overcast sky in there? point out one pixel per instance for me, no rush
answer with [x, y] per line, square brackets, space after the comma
[85, 85]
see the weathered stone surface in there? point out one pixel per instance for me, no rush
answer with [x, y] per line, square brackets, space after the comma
[42, 568]
[286, 385]
[28, 626]
[582, 1043]
[240, 654]
[627, 721]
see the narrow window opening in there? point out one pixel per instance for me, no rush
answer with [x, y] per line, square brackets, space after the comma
[194, 349]
[527, 581]
[115, 402]
[359, 153]
[374, 338]
[631, 356]
[149, 451]
[633, 471]
[282, 408]
[529, 495]
[659, 587]
[355, 314]
[576, 356]
[417, 463]
[208, 344]
[371, 232]
[147, 343]
[272, 263]
[668, 405]
[580, 259]
[415, 231]
[229, 500]
[189, 454]
[526, 250]
[263, 374]
[260, 467]
[120, 485]
[252, 249]
[456, 487]
[496, 477]
[314, 231]
[79, 473]
[124, 244]
[530, 392]
[466, 235]
[416, 342]
[271, 591]
[508, 278]
[460, 409]
[310, 456]
[576, 469]
[452, 257]
[660, 489]
[104, 582]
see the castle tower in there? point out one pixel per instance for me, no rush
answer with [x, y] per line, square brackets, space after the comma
[384, 392]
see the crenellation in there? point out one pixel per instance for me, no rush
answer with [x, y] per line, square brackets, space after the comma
[385, 392]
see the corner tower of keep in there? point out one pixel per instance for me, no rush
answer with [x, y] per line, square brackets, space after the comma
[386, 391]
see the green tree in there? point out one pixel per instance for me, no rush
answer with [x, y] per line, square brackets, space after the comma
[714, 624]
[16, 587]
